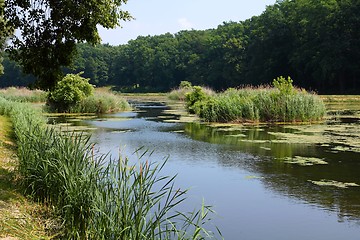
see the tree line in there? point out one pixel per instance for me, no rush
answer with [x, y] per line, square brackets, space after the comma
[315, 42]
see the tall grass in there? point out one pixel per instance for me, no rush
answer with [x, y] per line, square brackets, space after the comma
[180, 93]
[101, 102]
[262, 104]
[93, 198]
[23, 95]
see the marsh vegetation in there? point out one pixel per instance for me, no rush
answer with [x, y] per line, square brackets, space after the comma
[281, 102]
[94, 199]
[306, 161]
[252, 173]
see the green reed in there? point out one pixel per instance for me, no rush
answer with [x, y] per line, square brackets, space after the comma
[23, 95]
[100, 102]
[95, 198]
[263, 104]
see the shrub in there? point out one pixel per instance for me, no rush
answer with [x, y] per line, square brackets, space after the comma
[194, 98]
[185, 84]
[180, 92]
[71, 90]
[284, 85]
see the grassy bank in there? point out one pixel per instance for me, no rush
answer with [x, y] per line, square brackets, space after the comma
[94, 199]
[19, 217]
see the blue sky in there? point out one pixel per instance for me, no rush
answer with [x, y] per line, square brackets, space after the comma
[154, 17]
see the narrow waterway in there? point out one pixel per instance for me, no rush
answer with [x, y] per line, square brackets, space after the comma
[264, 182]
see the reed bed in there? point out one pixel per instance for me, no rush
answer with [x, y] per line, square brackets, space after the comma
[262, 104]
[94, 198]
[23, 95]
[179, 94]
[101, 102]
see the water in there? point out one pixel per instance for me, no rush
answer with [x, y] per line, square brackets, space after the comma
[245, 172]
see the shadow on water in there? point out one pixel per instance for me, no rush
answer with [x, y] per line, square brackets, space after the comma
[261, 179]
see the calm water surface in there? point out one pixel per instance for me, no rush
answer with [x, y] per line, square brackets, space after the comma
[248, 173]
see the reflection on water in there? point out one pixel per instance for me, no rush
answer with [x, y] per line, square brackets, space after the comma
[253, 175]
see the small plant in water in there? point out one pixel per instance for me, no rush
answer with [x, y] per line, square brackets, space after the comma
[284, 85]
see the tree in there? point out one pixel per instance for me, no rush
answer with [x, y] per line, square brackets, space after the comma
[49, 31]
[5, 31]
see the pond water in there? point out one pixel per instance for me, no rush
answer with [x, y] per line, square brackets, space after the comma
[264, 182]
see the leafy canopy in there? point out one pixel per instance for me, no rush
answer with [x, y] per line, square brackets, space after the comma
[5, 31]
[49, 31]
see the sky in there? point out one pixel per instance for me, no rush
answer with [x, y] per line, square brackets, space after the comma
[155, 17]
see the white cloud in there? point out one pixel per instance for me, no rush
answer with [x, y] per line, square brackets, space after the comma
[184, 23]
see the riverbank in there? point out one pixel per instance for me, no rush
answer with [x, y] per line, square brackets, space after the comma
[19, 217]
[88, 192]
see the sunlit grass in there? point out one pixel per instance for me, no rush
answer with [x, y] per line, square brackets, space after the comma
[23, 95]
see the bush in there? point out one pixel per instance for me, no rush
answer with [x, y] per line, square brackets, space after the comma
[194, 98]
[180, 92]
[68, 92]
[284, 85]
[185, 84]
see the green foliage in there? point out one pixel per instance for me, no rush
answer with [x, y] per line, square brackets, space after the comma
[180, 93]
[68, 92]
[5, 32]
[284, 85]
[48, 32]
[315, 42]
[195, 96]
[262, 105]
[101, 102]
[95, 198]
[185, 84]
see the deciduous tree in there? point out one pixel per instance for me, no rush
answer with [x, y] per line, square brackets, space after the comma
[49, 30]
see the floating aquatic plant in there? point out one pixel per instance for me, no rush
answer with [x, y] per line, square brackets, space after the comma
[305, 161]
[333, 183]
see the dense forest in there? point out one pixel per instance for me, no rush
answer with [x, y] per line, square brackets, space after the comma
[316, 42]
